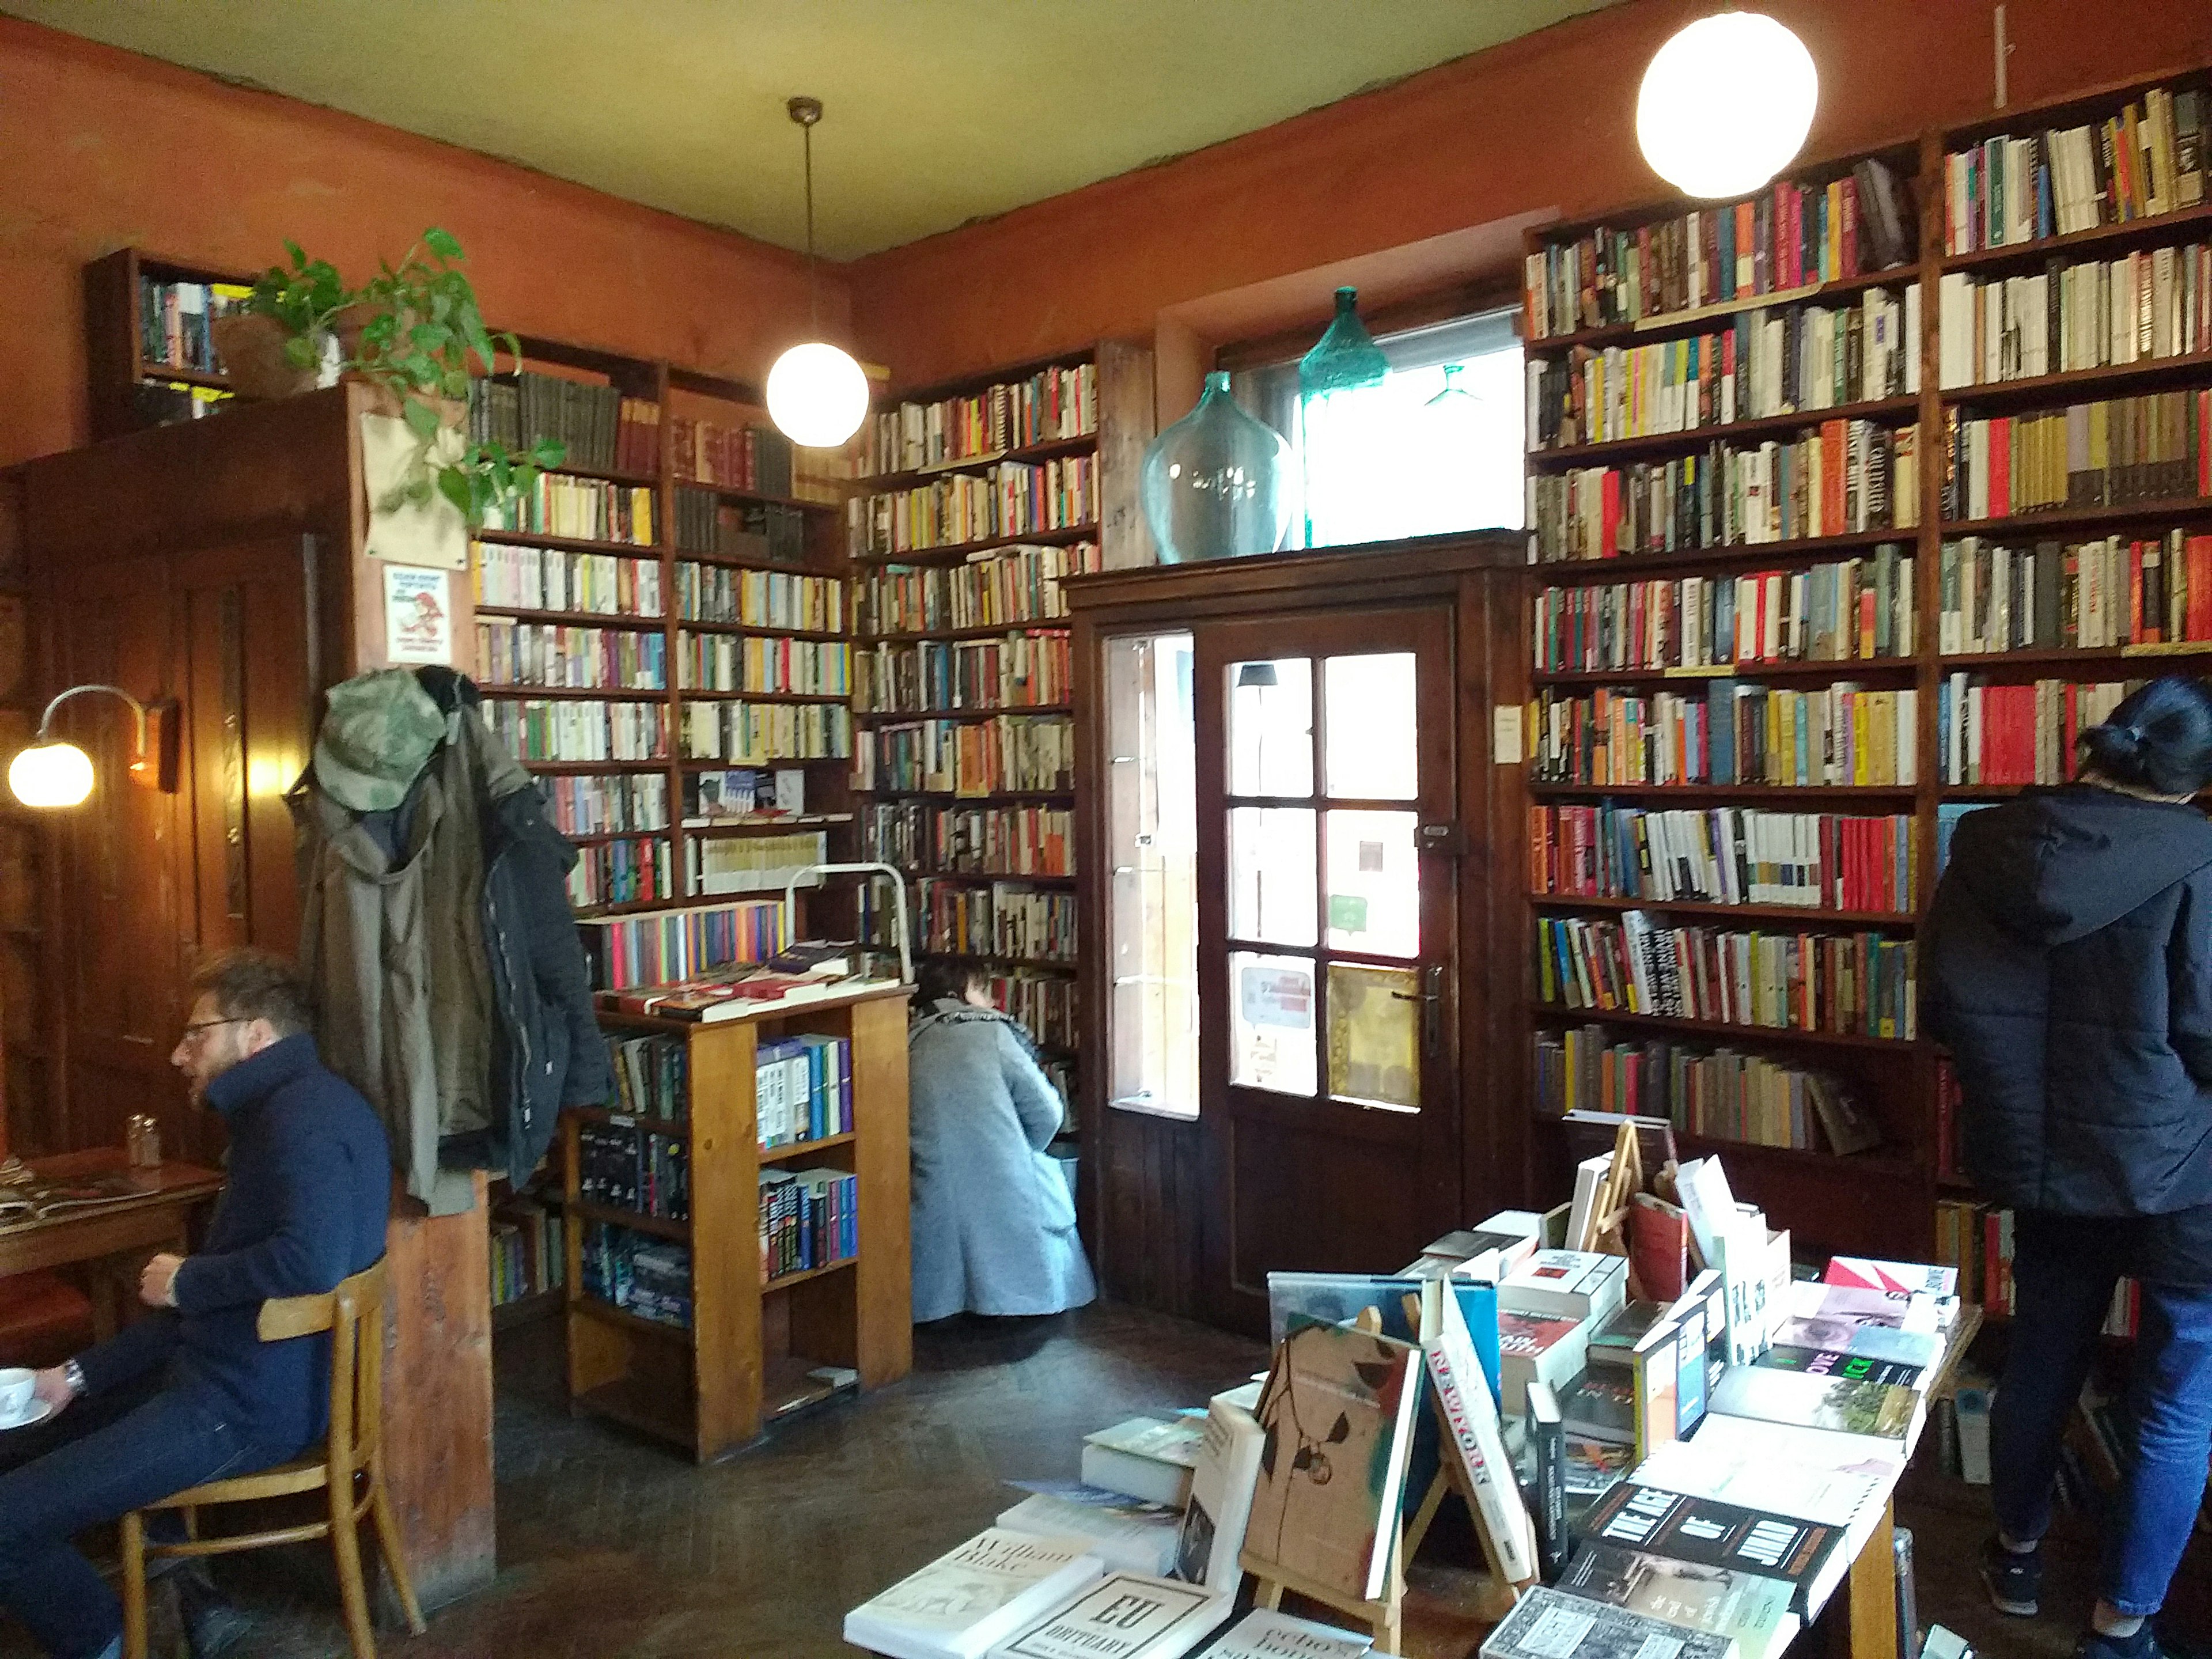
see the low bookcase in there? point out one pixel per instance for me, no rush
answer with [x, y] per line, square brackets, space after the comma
[752, 1342]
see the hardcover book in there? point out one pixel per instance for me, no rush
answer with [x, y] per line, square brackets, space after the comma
[1534, 1349]
[1549, 1624]
[1566, 1284]
[1262, 1634]
[1147, 1457]
[1126, 1615]
[1753, 1609]
[1634, 1516]
[1339, 1298]
[1127, 1534]
[1337, 1419]
[961, 1603]
[1600, 1405]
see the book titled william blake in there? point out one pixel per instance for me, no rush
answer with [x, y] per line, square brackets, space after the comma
[1697, 1530]
[1336, 1426]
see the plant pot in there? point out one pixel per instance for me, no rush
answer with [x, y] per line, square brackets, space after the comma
[251, 347]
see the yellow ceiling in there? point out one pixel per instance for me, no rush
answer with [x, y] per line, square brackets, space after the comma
[938, 112]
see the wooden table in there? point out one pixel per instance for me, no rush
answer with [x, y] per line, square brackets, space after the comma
[110, 1241]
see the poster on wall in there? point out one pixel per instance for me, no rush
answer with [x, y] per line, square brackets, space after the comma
[430, 532]
[418, 614]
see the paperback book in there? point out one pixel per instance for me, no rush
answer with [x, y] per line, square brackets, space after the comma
[1147, 1457]
[1127, 1533]
[1126, 1615]
[1634, 1516]
[961, 1603]
[1264, 1634]
[1549, 1624]
[1208, 1548]
[1748, 1608]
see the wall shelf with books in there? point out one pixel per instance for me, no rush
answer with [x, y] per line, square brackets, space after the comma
[149, 356]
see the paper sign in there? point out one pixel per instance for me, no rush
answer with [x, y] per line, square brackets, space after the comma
[418, 614]
[433, 533]
[1505, 734]
[1277, 996]
[1347, 914]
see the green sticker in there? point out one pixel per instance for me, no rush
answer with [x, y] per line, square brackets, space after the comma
[1347, 913]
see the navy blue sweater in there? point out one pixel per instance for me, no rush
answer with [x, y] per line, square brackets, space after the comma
[309, 1188]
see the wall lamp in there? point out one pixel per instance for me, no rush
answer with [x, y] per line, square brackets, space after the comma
[55, 773]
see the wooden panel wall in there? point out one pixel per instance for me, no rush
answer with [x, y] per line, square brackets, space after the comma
[1149, 1238]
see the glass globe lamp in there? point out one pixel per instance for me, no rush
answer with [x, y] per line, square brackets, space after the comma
[51, 775]
[1726, 103]
[818, 395]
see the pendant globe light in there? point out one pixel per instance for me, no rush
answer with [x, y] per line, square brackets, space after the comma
[1726, 103]
[818, 395]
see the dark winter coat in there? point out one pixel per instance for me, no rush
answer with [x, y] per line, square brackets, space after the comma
[2069, 962]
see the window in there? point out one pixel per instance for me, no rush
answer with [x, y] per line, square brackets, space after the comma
[1152, 843]
[1436, 446]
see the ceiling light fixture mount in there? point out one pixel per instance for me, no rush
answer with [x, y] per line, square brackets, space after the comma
[818, 395]
[1715, 144]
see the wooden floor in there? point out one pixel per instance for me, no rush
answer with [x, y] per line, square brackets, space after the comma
[609, 1545]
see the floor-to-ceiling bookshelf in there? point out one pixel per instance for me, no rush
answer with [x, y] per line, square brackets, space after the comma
[1921, 685]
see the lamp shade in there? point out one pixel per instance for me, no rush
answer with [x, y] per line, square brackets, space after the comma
[818, 395]
[1726, 103]
[51, 775]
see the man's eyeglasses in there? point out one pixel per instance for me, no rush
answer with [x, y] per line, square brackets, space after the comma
[192, 1031]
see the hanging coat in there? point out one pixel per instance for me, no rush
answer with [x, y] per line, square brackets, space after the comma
[994, 1224]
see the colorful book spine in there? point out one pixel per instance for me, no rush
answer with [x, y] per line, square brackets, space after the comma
[1835, 736]
[1723, 855]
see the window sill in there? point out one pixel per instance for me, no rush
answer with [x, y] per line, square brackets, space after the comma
[1142, 1109]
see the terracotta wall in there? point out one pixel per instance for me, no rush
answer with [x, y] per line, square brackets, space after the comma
[99, 149]
[1543, 123]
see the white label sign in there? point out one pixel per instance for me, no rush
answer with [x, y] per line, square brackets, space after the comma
[418, 614]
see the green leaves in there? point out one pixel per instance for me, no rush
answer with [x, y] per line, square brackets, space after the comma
[421, 419]
[549, 453]
[443, 243]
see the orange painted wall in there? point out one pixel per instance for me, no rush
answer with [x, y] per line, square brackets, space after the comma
[1541, 122]
[101, 149]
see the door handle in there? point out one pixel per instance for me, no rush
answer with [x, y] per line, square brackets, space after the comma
[1432, 999]
[1449, 837]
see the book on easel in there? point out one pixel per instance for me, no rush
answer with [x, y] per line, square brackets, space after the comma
[1484, 1472]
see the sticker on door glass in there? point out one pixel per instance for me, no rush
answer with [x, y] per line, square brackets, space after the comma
[1276, 996]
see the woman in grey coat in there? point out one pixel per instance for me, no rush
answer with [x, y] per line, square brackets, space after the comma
[993, 1225]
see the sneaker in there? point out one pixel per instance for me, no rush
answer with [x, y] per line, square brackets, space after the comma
[2143, 1645]
[2014, 1579]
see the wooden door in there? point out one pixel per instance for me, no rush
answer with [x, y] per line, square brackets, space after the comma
[1327, 849]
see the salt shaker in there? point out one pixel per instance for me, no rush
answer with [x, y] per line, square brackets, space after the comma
[142, 1136]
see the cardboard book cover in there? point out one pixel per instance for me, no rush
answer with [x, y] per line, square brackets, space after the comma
[1336, 1421]
[1633, 1516]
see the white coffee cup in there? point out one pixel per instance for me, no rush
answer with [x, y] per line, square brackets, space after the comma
[15, 1392]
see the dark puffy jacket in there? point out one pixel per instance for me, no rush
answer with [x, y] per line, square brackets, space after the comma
[2069, 968]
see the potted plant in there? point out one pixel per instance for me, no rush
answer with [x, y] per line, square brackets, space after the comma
[412, 329]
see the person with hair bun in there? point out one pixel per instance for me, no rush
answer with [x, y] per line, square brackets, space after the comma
[2068, 965]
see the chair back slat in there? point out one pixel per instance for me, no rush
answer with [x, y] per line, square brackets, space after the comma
[354, 1315]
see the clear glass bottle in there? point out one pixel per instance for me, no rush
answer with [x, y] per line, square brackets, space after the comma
[1332, 432]
[1217, 483]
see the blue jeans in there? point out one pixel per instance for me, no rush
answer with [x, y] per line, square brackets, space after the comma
[98, 1458]
[2064, 1269]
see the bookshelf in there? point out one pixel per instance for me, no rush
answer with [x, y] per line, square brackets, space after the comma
[978, 496]
[1650, 474]
[134, 299]
[755, 1333]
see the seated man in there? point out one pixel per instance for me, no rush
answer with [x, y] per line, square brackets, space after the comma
[190, 1393]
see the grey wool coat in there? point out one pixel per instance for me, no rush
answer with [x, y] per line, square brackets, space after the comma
[993, 1226]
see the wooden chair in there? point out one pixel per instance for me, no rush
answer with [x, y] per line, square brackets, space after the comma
[353, 1448]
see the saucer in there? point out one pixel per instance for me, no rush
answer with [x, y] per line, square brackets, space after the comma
[37, 1411]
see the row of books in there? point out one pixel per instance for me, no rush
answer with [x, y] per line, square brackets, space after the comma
[582, 729]
[1860, 984]
[1786, 236]
[175, 322]
[1005, 920]
[2144, 161]
[1011, 498]
[1005, 585]
[760, 599]
[595, 425]
[607, 804]
[802, 1090]
[1997, 735]
[647, 1276]
[751, 458]
[1049, 404]
[1028, 754]
[2111, 453]
[1795, 361]
[984, 841]
[1729, 497]
[1022, 670]
[664, 947]
[562, 655]
[557, 579]
[631, 871]
[1715, 1093]
[1723, 855]
[2109, 591]
[752, 864]
[160, 403]
[1836, 736]
[755, 662]
[809, 1219]
[1857, 608]
[581, 509]
[2140, 307]
[743, 793]
[621, 1166]
[652, 1077]
[765, 530]
[1044, 1005]
[528, 1253]
[756, 733]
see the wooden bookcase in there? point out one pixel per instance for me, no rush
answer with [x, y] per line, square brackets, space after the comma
[116, 366]
[899, 820]
[745, 1357]
[1885, 1199]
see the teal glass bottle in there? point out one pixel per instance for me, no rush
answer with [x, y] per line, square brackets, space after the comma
[1217, 484]
[1345, 362]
